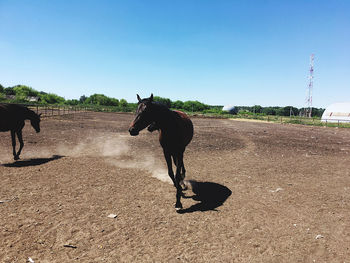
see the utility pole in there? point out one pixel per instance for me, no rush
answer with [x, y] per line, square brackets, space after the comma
[308, 107]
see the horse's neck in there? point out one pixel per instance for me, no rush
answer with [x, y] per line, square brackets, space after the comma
[29, 114]
[164, 119]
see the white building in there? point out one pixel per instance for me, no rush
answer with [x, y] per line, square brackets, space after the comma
[337, 112]
[230, 109]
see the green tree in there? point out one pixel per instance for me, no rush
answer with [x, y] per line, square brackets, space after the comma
[177, 104]
[123, 103]
[100, 99]
[23, 92]
[256, 109]
[82, 99]
[288, 111]
[72, 102]
[317, 112]
[269, 110]
[114, 102]
[51, 98]
[97, 99]
[280, 111]
[9, 91]
[195, 106]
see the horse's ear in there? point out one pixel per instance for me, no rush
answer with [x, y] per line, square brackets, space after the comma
[151, 98]
[138, 97]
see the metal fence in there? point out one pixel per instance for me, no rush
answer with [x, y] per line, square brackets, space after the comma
[336, 122]
[298, 120]
[47, 111]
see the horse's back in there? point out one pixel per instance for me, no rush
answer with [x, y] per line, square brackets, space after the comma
[10, 115]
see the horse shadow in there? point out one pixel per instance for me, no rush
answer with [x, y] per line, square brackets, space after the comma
[33, 161]
[210, 196]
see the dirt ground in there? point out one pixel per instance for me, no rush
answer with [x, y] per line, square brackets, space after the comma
[261, 192]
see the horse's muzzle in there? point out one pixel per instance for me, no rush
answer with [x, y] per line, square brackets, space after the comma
[133, 131]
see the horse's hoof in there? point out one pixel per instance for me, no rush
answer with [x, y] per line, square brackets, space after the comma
[183, 186]
[16, 158]
[178, 206]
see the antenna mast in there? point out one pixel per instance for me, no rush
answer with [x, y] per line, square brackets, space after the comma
[308, 108]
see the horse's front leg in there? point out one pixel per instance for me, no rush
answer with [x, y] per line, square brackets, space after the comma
[169, 164]
[21, 143]
[13, 138]
[178, 179]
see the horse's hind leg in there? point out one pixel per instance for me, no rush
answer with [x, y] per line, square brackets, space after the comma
[183, 175]
[13, 138]
[179, 164]
[182, 172]
[21, 144]
[169, 164]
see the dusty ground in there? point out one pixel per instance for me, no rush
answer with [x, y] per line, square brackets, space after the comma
[262, 193]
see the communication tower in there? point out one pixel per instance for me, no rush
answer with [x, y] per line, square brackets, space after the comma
[308, 107]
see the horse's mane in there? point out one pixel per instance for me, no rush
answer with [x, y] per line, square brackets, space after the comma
[31, 114]
[160, 105]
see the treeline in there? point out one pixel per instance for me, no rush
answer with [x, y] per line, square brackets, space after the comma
[278, 111]
[25, 94]
[28, 95]
[196, 106]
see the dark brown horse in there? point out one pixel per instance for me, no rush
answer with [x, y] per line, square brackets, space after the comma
[12, 117]
[175, 133]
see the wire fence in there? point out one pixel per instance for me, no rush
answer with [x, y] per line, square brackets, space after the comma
[340, 123]
[58, 110]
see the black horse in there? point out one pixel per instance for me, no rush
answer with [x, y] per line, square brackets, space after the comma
[12, 117]
[175, 133]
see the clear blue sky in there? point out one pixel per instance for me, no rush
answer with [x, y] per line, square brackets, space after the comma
[218, 52]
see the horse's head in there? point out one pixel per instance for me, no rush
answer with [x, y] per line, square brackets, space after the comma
[35, 122]
[144, 115]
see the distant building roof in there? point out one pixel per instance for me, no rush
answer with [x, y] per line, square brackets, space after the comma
[10, 97]
[32, 98]
[29, 98]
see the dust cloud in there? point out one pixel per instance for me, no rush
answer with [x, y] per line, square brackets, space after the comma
[117, 152]
[115, 148]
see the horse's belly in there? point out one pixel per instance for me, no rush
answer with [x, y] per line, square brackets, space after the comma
[172, 145]
[5, 125]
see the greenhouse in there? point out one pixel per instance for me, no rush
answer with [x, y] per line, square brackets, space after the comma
[337, 112]
[230, 109]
